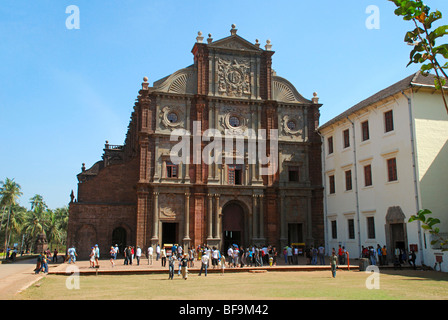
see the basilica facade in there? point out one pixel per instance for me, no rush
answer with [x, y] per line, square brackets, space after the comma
[138, 194]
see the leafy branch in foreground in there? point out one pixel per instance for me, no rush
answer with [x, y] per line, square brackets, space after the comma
[429, 224]
[423, 38]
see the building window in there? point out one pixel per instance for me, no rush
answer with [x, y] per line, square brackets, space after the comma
[331, 183]
[371, 227]
[346, 136]
[330, 145]
[293, 174]
[367, 175]
[291, 125]
[351, 228]
[388, 121]
[234, 121]
[365, 130]
[348, 180]
[392, 169]
[235, 174]
[334, 230]
[171, 170]
[172, 117]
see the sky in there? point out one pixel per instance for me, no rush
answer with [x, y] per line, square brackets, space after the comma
[65, 91]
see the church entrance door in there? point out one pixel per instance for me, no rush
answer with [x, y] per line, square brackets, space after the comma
[233, 225]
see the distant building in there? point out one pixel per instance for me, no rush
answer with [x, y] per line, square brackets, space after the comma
[136, 195]
[384, 159]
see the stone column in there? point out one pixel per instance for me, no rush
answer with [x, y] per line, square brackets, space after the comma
[283, 223]
[210, 217]
[155, 222]
[187, 217]
[217, 234]
[254, 216]
[261, 219]
[309, 223]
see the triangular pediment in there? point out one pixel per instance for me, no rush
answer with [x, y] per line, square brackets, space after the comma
[235, 42]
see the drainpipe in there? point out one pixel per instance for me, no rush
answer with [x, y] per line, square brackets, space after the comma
[414, 171]
[356, 186]
[322, 155]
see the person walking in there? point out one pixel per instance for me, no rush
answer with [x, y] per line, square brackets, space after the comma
[138, 254]
[191, 257]
[44, 263]
[157, 252]
[315, 252]
[171, 260]
[184, 263]
[55, 255]
[162, 256]
[379, 254]
[289, 253]
[333, 263]
[384, 255]
[412, 258]
[97, 256]
[150, 254]
[92, 257]
[204, 264]
[72, 255]
[38, 264]
[112, 256]
[223, 264]
[117, 250]
[321, 250]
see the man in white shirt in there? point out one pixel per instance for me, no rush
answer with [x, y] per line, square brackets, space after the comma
[157, 252]
[230, 256]
[215, 257]
[138, 254]
[204, 265]
[150, 253]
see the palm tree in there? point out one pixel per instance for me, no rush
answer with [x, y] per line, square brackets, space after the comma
[62, 223]
[52, 231]
[36, 219]
[9, 195]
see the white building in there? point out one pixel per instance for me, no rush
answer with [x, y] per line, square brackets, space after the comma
[384, 159]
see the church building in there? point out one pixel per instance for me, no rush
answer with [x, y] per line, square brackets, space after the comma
[264, 190]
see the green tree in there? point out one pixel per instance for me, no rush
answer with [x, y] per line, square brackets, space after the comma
[9, 196]
[36, 219]
[426, 50]
[430, 224]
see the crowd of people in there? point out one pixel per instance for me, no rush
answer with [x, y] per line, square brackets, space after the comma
[379, 256]
[233, 257]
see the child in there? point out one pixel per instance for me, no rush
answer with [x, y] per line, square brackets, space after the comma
[333, 263]
[112, 256]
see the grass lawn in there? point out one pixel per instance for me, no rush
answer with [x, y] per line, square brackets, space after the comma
[348, 285]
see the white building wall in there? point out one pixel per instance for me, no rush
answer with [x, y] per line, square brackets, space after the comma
[431, 127]
[374, 201]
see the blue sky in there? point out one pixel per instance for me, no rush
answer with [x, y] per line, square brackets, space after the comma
[64, 92]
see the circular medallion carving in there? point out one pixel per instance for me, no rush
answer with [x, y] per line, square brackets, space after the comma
[234, 76]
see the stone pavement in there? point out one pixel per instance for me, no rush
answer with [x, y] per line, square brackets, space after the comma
[16, 276]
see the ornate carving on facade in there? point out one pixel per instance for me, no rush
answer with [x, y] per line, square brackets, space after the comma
[171, 206]
[235, 120]
[292, 125]
[234, 77]
[284, 91]
[171, 117]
